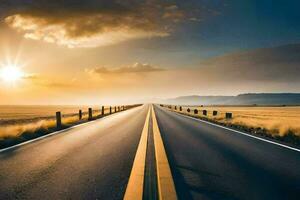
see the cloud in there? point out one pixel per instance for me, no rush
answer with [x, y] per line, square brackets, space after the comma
[57, 84]
[136, 68]
[173, 13]
[92, 23]
[48, 82]
[277, 64]
[30, 77]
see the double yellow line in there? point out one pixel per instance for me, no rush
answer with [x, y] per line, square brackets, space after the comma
[165, 183]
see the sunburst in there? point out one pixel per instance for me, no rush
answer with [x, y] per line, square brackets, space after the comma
[11, 72]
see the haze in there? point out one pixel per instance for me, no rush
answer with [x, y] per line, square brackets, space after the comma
[113, 51]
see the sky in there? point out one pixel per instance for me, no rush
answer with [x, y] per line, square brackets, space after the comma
[128, 51]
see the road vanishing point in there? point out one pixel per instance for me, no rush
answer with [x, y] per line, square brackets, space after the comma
[149, 152]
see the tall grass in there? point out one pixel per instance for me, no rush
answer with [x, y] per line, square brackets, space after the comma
[30, 123]
[277, 122]
[45, 125]
[12, 134]
[11, 131]
[21, 123]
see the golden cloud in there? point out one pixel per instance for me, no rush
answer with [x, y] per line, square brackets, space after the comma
[94, 23]
[37, 29]
[136, 68]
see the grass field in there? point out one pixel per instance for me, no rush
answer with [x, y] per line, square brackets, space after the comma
[277, 122]
[9, 114]
[31, 121]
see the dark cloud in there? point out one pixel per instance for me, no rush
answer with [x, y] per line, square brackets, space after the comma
[89, 23]
[136, 68]
[278, 64]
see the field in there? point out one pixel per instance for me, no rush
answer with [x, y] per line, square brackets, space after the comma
[27, 121]
[277, 122]
[10, 113]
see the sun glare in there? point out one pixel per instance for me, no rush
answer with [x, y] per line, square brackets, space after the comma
[11, 73]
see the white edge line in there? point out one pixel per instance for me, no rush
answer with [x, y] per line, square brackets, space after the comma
[55, 132]
[246, 134]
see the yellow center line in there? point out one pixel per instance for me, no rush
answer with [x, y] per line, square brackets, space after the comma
[166, 187]
[134, 190]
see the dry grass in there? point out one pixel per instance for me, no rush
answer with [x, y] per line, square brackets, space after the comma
[18, 129]
[19, 112]
[17, 120]
[277, 121]
[22, 123]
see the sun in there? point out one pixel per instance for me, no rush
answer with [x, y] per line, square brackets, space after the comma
[11, 73]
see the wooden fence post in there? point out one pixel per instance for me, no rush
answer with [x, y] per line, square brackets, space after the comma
[102, 110]
[58, 119]
[90, 114]
[228, 115]
[80, 114]
[215, 113]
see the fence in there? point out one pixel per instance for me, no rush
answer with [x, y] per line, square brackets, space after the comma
[91, 114]
[215, 113]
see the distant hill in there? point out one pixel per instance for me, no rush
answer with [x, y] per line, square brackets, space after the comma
[242, 99]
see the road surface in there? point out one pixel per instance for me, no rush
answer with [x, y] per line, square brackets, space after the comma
[92, 161]
[95, 161]
[210, 162]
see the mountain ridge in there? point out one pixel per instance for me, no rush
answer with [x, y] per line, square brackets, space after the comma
[241, 99]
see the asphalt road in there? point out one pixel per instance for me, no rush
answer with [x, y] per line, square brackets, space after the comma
[209, 162]
[92, 161]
